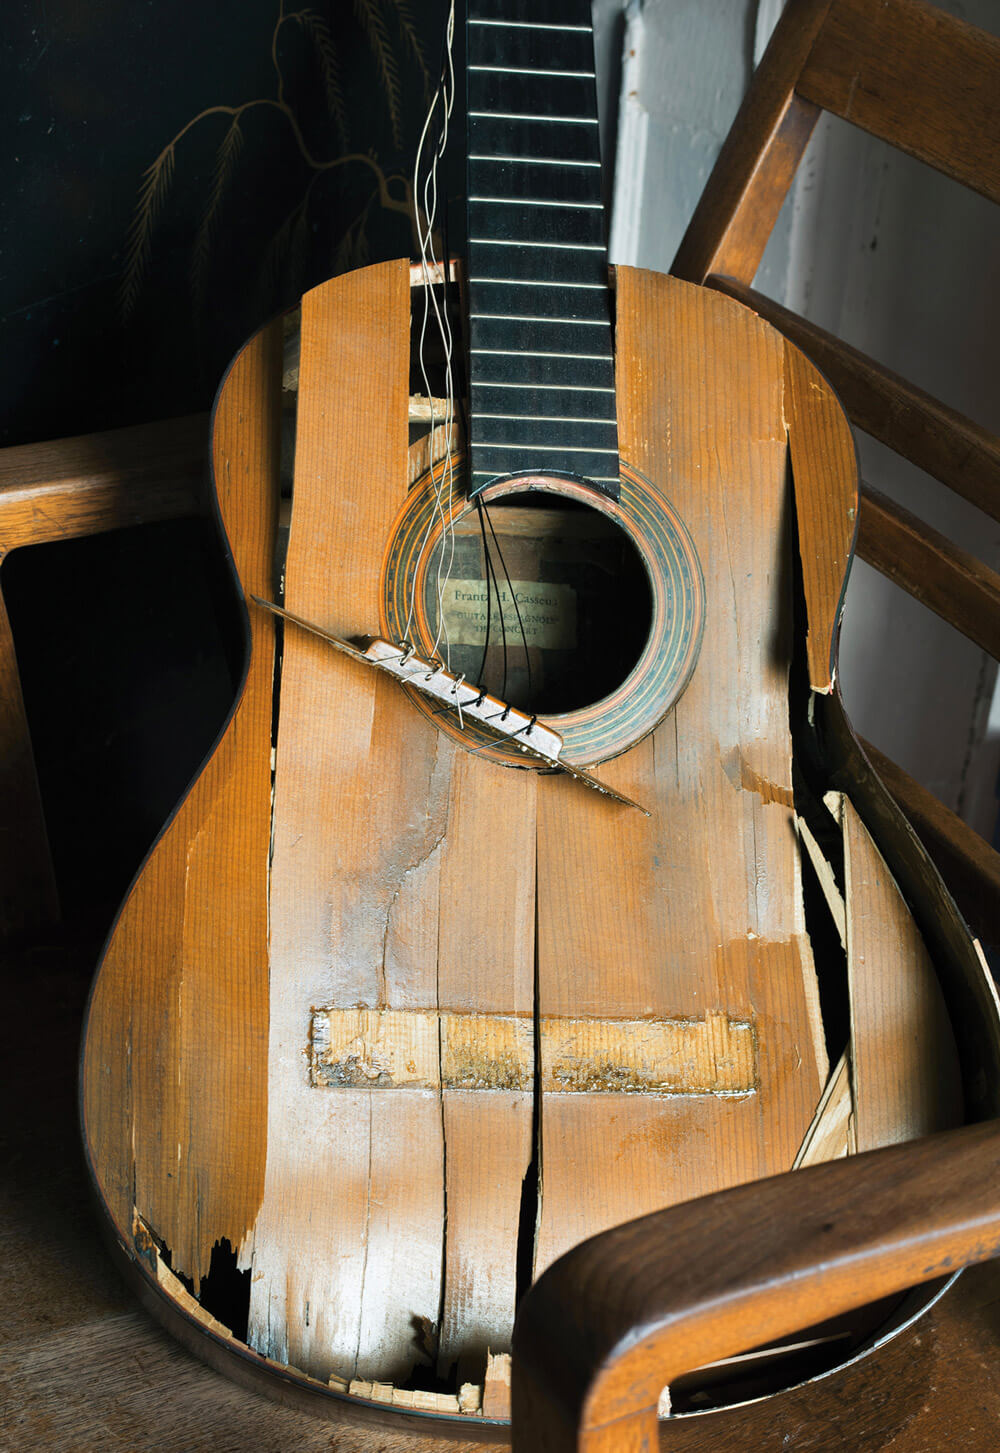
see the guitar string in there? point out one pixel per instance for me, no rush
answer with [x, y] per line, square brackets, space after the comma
[514, 603]
[428, 258]
[489, 593]
[444, 481]
[492, 587]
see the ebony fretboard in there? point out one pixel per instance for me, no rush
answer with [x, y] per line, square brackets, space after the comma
[541, 370]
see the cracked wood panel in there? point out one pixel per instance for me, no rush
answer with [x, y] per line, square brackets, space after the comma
[905, 1069]
[174, 1061]
[831, 1134]
[402, 878]
[486, 957]
[696, 910]
[825, 482]
[342, 866]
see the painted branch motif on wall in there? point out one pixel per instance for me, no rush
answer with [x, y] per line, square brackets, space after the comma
[385, 31]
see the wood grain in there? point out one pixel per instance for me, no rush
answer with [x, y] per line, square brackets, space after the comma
[825, 481]
[904, 1064]
[336, 1188]
[917, 77]
[954, 449]
[832, 1133]
[400, 1049]
[486, 961]
[677, 921]
[826, 876]
[968, 988]
[378, 899]
[711, 1056]
[174, 1058]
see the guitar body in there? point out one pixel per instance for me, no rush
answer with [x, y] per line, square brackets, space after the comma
[386, 1025]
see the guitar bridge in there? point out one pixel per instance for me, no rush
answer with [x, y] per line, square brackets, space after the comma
[534, 737]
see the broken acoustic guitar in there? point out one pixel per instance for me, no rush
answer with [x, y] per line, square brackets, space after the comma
[396, 1011]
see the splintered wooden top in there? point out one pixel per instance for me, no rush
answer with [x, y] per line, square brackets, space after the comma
[399, 1027]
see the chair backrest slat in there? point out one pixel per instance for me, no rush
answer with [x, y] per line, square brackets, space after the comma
[968, 864]
[916, 77]
[948, 580]
[939, 439]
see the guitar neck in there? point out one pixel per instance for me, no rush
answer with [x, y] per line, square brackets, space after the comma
[540, 339]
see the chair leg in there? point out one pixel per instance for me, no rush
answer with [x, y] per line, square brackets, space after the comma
[28, 899]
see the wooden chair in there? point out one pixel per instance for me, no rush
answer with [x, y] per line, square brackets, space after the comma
[929, 85]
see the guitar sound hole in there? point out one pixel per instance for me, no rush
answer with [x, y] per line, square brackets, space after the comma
[565, 598]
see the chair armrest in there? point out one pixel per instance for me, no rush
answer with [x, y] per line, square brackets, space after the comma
[66, 488]
[611, 1323]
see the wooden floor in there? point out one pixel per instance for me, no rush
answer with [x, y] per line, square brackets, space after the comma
[83, 1369]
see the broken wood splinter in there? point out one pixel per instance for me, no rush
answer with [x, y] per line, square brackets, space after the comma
[459, 696]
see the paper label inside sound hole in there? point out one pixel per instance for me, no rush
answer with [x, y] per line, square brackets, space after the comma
[547, 614]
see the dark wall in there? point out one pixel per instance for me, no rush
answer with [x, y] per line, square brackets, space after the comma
[176, 174]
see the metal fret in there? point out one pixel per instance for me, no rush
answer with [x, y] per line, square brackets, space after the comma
[545, 448]
[582, 388]
[532, 71]
[537, 318]
[550, 120]
[535, 353]
[532, 160]
[528, 372]
[524, 283]
[535, 202]
[559, 246]
[542, 419]
[532, 25]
